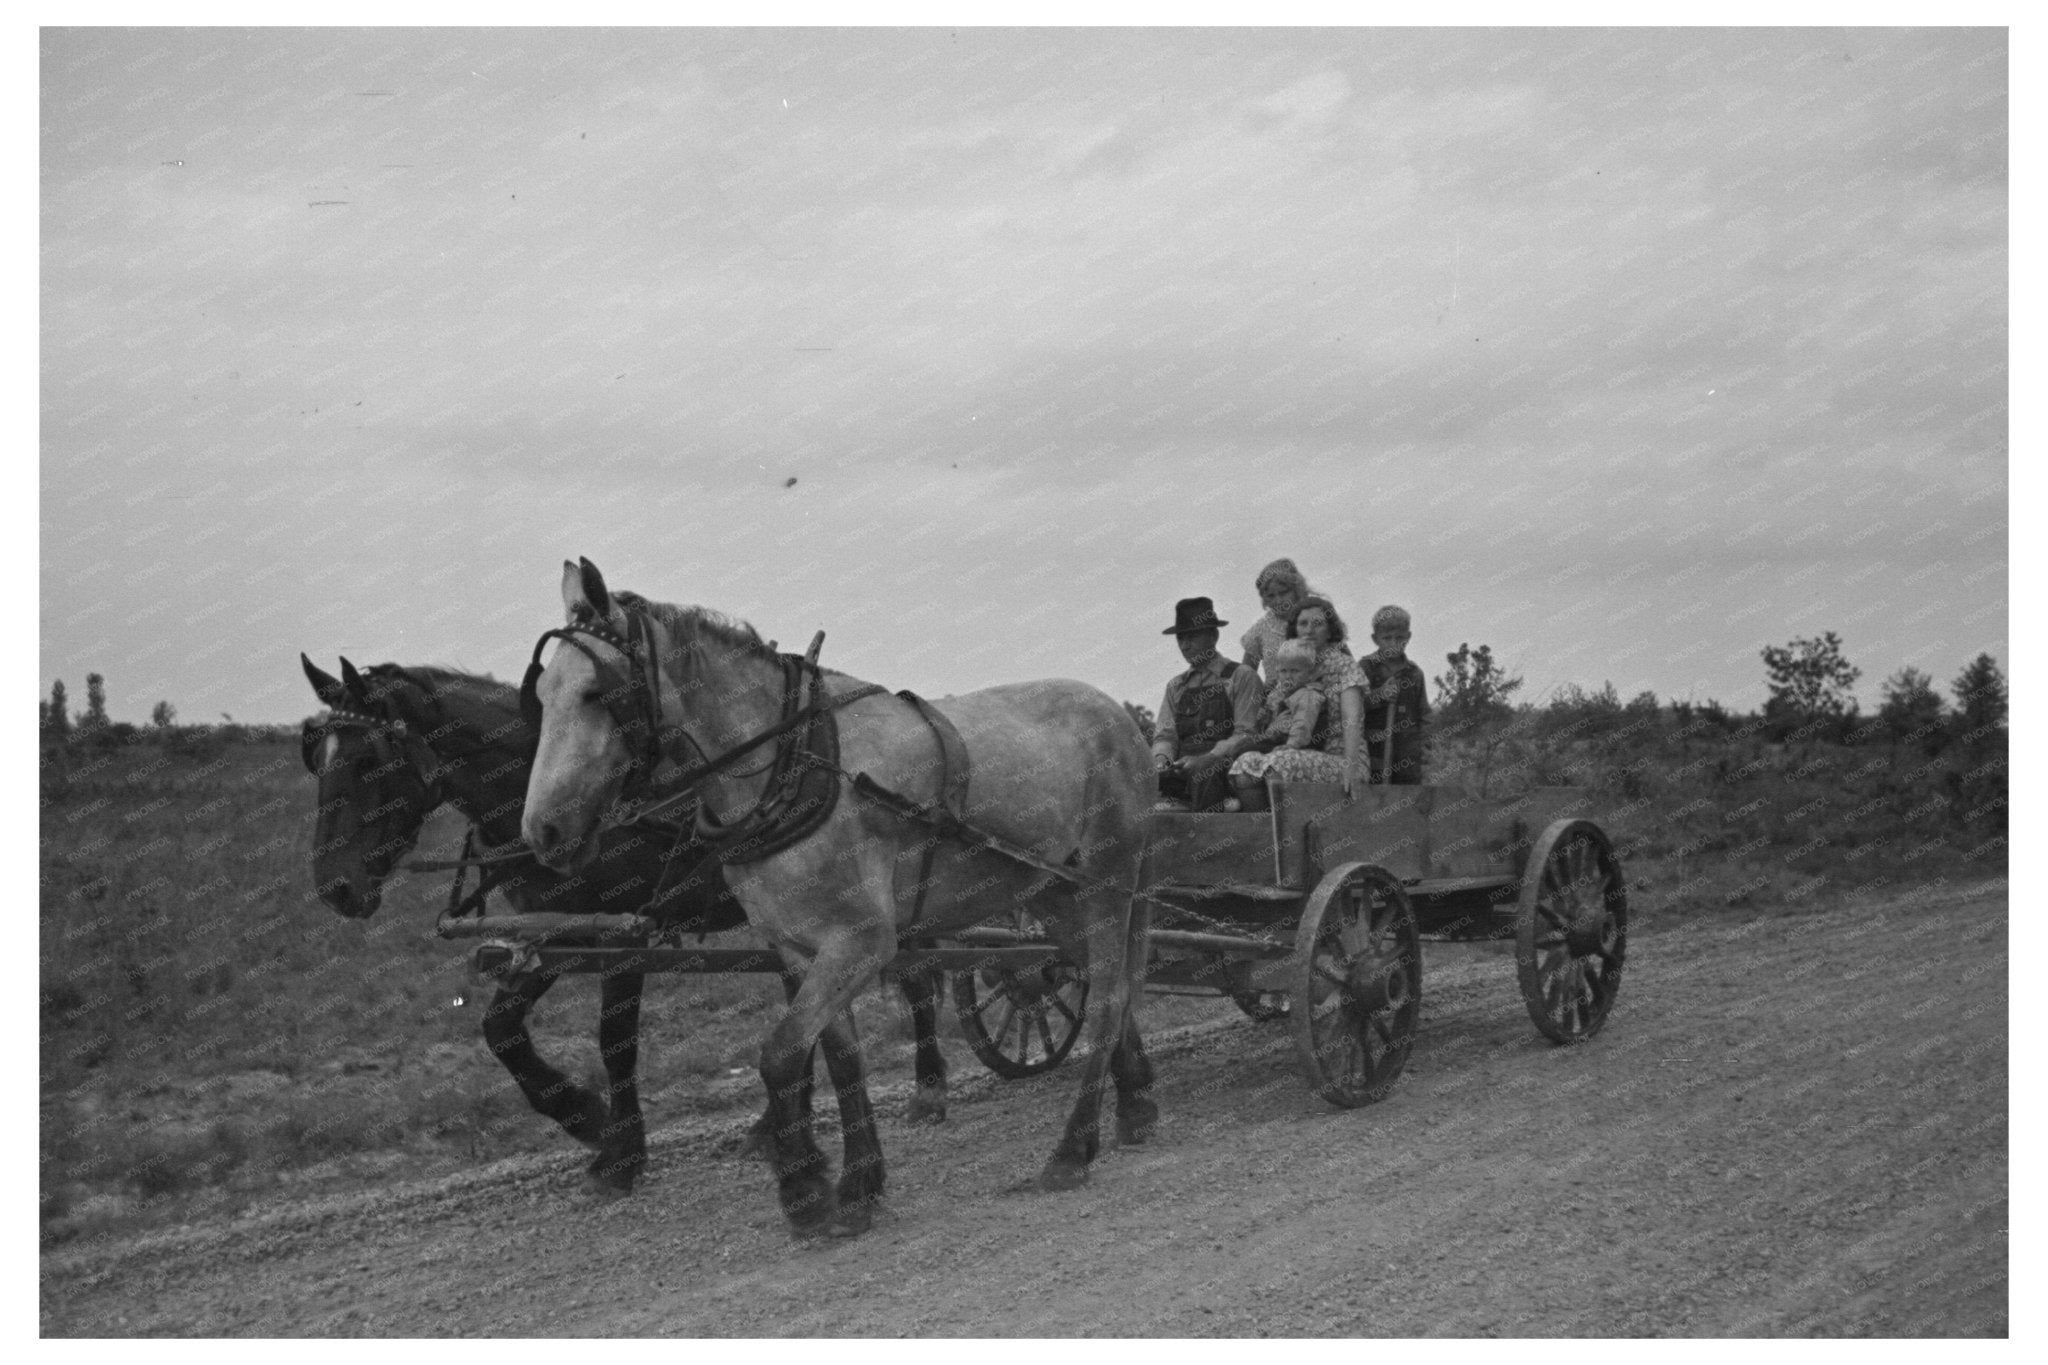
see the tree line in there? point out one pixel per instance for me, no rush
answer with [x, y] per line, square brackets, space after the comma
[1810, 696]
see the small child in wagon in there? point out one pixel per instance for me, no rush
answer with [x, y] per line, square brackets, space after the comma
[1396, 702]
[1288, 719]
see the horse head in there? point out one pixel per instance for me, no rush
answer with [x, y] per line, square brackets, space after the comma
[583, 703]
[377, 785]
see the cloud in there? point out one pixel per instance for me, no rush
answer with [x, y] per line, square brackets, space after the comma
[1313, 99]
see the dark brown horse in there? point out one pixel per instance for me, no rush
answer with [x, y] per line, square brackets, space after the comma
[1058, 770]
[398, 743]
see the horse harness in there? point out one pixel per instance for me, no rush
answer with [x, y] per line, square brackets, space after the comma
[804, 773]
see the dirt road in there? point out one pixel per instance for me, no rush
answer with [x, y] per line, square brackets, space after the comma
[1790, 1126]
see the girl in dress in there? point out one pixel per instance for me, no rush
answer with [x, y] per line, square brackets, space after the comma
[1281, 588]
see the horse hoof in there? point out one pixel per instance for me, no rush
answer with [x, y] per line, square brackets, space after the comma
[598, 1189]
[851, 1221]
[1136, 1120]
[809, 1205]
[927, 1111]
[1062, 1175]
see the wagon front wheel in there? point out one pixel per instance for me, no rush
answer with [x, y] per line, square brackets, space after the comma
[1358, 984]
[1021, 1022]
[1571, 933]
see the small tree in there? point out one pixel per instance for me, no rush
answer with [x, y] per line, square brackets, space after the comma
[1911, 708]
[95, 717]
[1475, 690]
[162, 714]
[1981, 702]
[56, 720]
[1810, 681]
[1472, 702]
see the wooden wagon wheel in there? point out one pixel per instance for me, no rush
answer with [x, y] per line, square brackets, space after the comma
[1358, 992]
[1572, 931]
[1021, 1023]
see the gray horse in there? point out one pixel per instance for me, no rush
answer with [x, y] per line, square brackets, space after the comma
[638, 690]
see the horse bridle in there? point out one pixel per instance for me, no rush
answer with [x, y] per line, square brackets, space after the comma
[392, 745]
[386, 735]
[631, 697]
[634, 703]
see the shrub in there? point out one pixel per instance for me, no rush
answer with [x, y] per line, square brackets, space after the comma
[1811, 684]
[1475, 691]
[1981, 703]
[1912, 710]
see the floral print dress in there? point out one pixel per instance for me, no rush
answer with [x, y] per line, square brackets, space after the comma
[1335, 671]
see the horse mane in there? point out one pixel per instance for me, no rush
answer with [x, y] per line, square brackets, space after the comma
[468, 712]
[692, 622]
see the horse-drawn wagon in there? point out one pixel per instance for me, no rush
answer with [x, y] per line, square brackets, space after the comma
[840, 812]
[1313, 912]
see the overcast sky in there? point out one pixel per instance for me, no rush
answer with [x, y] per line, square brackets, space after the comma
[1626, 353]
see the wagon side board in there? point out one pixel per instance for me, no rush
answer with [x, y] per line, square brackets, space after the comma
[1431, 833]
[1184, 849]
[1416, 833]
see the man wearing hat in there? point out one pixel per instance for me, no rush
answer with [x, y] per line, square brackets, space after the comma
[1210, 715]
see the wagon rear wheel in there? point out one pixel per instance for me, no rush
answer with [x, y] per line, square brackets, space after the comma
[1572, 931]
[1358, 991]
[1021, 1023]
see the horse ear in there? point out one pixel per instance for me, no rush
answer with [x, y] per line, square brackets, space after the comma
[594, 588]
[325, 686]
[574, 603]
[584, 595]
[358, 690]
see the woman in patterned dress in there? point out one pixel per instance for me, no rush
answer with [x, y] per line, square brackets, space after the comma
[1341, 681]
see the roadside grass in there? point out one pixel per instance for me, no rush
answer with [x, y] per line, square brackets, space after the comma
[209, 1029]
[1716, 818]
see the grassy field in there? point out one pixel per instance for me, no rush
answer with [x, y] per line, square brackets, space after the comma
[209, 1029]
[207, 1024]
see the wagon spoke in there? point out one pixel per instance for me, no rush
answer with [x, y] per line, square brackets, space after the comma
[1349, 1046]
[1378, 1023]
[1045, 1032]
[1009, 1017]
[1061, 1006]
[1377, 927]
[1352, 936]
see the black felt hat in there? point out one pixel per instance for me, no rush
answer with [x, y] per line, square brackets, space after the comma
[1191, 614]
